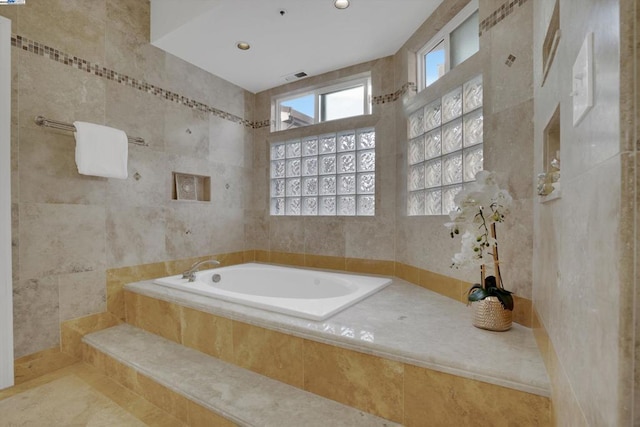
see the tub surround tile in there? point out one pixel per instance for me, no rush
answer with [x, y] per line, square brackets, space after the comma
[467, 402]
[325, 262]
[366, 382]
[433, 332]
[270, 353]
[286, 258]
[170, 401]
[118, 277]
[72, 331]
[207, 333]
[199, 416]
[153, 315]
[215, 385]
[370, 266]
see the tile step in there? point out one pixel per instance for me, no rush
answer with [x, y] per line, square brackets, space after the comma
[234, 393]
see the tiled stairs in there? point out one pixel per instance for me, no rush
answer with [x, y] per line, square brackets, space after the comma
[201, 390]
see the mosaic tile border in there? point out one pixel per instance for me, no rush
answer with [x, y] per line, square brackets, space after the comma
[97, 70]
[112, 75]
[392, 97]
[499, 14]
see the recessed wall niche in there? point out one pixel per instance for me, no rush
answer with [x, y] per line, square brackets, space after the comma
[549, 179]
[551, 40]
[191, 187]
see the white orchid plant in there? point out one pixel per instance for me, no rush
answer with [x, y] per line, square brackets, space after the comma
[480, 206]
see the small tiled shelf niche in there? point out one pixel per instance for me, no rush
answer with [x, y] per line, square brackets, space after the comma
[551, 40]
[445, 149]
[189, 187]
[549, 179]
[324, 175]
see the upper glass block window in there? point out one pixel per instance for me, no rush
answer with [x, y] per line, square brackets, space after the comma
[445, 149]
[325, 175]
[347, 98]
[456, 42]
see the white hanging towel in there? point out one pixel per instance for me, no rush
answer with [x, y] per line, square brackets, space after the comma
[101, 150]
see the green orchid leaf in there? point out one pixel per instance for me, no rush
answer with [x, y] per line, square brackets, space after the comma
[476, 293]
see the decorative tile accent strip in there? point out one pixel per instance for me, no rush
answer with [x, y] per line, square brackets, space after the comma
[392, 97]
[499, 14]
[99, 71]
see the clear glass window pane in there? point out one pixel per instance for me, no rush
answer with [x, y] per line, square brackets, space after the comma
[342, 103]
[297, 112]
[464, 40]
[434, 64]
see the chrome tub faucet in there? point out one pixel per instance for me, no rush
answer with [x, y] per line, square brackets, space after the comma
[190, 274]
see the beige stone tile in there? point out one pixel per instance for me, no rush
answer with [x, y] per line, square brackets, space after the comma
[467, 402]
[522, 311]
[65, 401]
[187, 131]
[164, 398]
[366, 382]
[286, 258]
[152, 315]
[286, 234]
[12, 14]
[221, 132]
[270, 353]
[324, 261]
[447, 286]
[188, 229]
[135, 235]
[48, 172]
[324, 236]
[35, 365]
[58, 239]
[118, 277]
[207, 333]
[262, 256]
[370, 238]
[202, 417]
[65, 25]
[57, 91]
[370, 266]
[35, 315]
[408, 272]
[82, 294]
[72, 331]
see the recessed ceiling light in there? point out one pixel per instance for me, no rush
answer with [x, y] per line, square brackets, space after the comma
[243, 46]
[341, 4]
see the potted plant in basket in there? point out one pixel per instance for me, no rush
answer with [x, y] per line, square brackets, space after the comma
[479, 207]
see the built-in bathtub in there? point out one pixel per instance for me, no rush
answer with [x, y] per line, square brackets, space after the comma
[309, 294]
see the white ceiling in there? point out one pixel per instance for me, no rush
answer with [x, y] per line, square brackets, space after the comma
[312, 36]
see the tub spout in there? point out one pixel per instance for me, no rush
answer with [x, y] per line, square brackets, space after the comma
[190, 274]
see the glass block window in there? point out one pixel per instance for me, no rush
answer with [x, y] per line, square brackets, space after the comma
[325, 175]
[445, 149]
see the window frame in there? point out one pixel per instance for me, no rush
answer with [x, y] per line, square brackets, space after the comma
[444, 35]
[360, 80]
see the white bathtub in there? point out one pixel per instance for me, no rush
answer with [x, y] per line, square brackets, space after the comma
[309, 294]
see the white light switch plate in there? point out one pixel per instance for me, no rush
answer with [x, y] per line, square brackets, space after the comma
[582, 80]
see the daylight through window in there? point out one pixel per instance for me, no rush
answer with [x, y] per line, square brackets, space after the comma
[330, 174]
[445, 149]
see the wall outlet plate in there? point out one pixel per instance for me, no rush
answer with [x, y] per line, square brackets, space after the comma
[582, 80]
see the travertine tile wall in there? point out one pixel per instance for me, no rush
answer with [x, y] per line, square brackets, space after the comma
[70, 229]
[586, 241]
[352, 237]
[508, 134]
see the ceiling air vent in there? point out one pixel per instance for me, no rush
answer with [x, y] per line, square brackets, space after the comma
[295, 76]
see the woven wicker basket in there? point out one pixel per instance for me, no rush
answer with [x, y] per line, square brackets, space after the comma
[489, 314]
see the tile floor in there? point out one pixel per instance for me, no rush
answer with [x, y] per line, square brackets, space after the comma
[78, 395]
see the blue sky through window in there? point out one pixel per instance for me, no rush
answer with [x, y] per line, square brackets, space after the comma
[304, 104]
[434, 64]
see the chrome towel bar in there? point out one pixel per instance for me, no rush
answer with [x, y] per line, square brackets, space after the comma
[42, 121]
